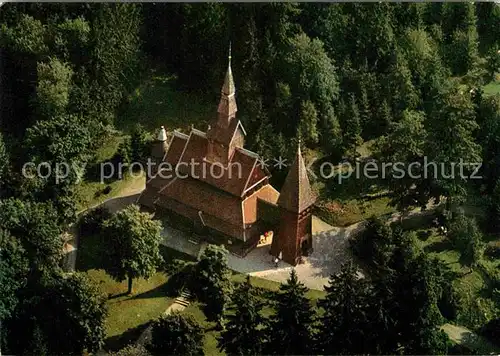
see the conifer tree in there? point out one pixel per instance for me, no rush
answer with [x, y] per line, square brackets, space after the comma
[343, 325]
[352, 134]
[4, 162]
[290, 330]
[212, 284]
[365, 113]
[243, 329]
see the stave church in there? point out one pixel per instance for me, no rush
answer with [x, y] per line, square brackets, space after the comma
[217, 199]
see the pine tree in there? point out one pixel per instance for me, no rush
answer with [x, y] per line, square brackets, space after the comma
[290, 330]
[4, 162]
[212, 284]
[352, 134]
[417, 289]
[365, 114]
[385, 116]
[467, 239]
[401, 87]
[308, 122]
[344, 327]
[243, 334]
[494, 210]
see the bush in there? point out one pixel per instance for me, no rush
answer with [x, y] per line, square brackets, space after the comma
[177, 334]
[91, 223]
[492, 331]
[493, 250]
[132, 350]
[181, 277]
[375, 243]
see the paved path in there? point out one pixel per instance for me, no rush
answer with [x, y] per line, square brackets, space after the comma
[330, 244]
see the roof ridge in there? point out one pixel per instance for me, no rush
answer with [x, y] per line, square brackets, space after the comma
[180, 134]
[248, 152]
[198, 132]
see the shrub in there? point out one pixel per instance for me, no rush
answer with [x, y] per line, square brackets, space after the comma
[493, 249]
[177, 334]
[491, 330]
[132, 350]
[374, 243]
[91, 223]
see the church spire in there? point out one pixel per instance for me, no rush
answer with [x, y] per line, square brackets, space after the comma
[227, 105]
[296, 194]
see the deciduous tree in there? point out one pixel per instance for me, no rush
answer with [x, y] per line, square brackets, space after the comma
[61, 304]
[177, 334]
[132, 245]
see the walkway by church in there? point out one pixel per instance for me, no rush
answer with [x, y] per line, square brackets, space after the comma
[330, 251]
[330, 246]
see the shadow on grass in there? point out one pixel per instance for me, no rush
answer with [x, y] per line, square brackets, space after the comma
[115, 343]
[165, 289]
[90, 253]
[439, 246]
[114, 296]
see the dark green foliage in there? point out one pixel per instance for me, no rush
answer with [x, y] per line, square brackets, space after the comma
[13, 270]
[488, 116]
[290, 331]
[61, 146]
[131, 350]
[68, 305]
[35, 226]
[132, 245]
[139, 144]
[177, 334]
[467, 238]
[243, 334]
[492, 331]
[4, 163]
[53, 88]
[92, 221]
[344, 325]
[375, 243]
[352, 131]
[115, 51]
[211, 283]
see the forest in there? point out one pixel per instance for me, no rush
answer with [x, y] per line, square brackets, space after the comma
[89, 83]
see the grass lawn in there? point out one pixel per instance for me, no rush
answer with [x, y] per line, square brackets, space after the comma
[492, 88]
[472, 285]
[157, 102]
[89, 193]
[128, 314]
[345, 213]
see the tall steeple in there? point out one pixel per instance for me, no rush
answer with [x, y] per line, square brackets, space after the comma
[296, 194]
[227, 105]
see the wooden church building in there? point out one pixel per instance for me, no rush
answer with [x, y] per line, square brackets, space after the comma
[213, 181]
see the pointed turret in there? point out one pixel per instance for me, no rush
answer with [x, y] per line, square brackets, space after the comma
[160, 146]
[296, 194]
[227, 105]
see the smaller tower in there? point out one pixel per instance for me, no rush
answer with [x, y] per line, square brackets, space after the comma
[227, 105]
[294, 238]
[159, 150]
[226, 132]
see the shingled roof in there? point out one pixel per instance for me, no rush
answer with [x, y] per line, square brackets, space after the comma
[296, 194]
